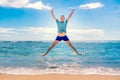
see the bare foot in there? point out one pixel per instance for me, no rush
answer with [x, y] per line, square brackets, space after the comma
[44, 54]
[79, 53]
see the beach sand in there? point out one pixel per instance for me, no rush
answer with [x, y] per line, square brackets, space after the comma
[58, 77]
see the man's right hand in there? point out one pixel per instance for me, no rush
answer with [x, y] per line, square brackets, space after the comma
[73, 10]
[53, 14]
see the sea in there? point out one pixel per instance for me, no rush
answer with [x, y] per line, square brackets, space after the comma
[24, 58]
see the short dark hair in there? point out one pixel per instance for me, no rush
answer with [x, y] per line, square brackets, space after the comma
[63, 15]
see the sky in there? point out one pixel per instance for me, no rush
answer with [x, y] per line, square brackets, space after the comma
[32, 20]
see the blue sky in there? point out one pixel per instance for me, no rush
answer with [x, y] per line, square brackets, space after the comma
[31, 19]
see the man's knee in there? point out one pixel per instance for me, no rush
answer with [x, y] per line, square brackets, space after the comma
[54, 44]
[69, 43]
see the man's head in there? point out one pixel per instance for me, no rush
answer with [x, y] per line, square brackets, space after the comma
[62, 18]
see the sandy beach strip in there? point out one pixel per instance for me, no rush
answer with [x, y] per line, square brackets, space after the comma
[58, 77]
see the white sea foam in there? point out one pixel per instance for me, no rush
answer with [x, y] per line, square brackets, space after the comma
[60, 70]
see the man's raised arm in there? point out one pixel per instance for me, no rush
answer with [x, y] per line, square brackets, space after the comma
[53, 14]
[71, 14]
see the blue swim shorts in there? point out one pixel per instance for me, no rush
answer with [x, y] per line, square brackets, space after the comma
[59, 38]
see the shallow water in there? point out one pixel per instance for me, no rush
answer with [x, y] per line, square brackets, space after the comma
[24, 57]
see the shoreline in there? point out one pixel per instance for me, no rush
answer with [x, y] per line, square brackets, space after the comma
[59, 77]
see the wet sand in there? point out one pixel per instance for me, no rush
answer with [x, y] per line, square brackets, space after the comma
[58, 77]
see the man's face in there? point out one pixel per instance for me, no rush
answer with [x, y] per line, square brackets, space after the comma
[62, 18]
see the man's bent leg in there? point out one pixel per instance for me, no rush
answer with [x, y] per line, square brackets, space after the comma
[53, 44]
[70, 44]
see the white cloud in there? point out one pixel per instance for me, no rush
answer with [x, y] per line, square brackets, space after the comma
[24, 4]
[47, 33]
[99, 32]
[6, 30]
[86, 34]
[37, 5]
[91, 5]
[13, 3]
[38, 30]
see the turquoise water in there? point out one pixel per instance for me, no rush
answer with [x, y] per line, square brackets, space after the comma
[24, 57]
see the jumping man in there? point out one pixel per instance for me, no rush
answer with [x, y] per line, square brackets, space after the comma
[62, 25]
